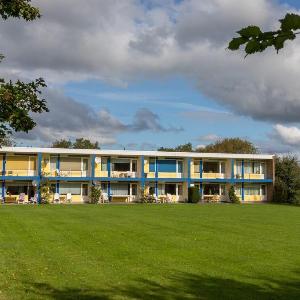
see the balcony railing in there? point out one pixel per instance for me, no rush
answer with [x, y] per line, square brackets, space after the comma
[123, 174]
[20, 173]
[211, 175]
[249, 176]
[69, 173]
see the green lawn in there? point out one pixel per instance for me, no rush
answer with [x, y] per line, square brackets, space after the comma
[150, 252]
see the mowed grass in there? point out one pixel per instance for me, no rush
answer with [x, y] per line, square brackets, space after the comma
[150, 252]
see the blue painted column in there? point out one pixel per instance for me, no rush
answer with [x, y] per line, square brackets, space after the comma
[39, 177]
[93, 157]
[243, 177]
[243, 169]
[58, 169]
[156, 168]
[108, 167]
[108, 190]
[156, 188]
[201, 168]
[109, 175]
[142, 172]
[201, 190]
[189, 172]
[3, 174]
[243, 192]
[232, 170]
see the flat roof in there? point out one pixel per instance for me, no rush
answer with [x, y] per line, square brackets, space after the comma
[32, 150]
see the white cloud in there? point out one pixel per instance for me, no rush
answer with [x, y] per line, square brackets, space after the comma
[119, 41]
[288, 135]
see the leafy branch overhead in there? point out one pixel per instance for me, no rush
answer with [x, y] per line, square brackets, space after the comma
[18, 100]
[255, 40]
[18, 9]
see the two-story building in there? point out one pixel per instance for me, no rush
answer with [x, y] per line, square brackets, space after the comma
[123, 175]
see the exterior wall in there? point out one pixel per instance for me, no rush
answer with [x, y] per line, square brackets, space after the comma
[19, 162]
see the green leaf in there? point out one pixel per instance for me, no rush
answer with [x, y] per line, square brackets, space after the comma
[290, 22]
[252, 47]
[282, 38]
[235, 43]
[250, 31]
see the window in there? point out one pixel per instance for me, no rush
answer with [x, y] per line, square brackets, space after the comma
[161, 190]
[180, 190]
[134, 166]
[222, 187]
[256, 168]
[151, 188]
[239, 168]
[120, 189]
[179, 166]
[252, 167]
[167, 165]
[53, 160]
[103, 164]
[70, 164]
[238, 190]
[85, 190]
[197, 167]
[210, 167]
[170, 188]
[263, 190]
[134, 189]
[16, 189]
[152, 165]
[104, 188]
[72, 188]
[252, 191]
[222, 167]
[85, 164]
[211, 189]
[121, 165]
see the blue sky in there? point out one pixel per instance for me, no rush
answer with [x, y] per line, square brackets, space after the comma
[150, 73]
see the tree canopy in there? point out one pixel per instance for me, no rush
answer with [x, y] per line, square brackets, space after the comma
[227, 145]
[230, 145]
[287, 181]
[254, 40]
[79, 143]
[180, 148]
[18, 100]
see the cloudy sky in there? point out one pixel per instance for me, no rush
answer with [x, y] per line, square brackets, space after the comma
[147, 73]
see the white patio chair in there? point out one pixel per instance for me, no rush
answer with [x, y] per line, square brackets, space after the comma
[56, 198]
[104, 197]
[169, 198]
[69, 197]
[21, 199]
[34, 199]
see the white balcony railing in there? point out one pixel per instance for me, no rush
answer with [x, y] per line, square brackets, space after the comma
[20, 173]
[123, 174]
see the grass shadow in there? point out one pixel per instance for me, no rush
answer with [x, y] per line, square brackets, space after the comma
[179, 286]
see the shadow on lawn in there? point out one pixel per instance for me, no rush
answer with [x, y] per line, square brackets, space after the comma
[182, 286]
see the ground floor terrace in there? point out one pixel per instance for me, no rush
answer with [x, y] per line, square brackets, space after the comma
[130, 191]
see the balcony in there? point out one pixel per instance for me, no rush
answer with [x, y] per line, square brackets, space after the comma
[20, 173]
[123, 174]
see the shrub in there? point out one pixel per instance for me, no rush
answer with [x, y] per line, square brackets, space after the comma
[95, 194]
[232, 196]
[193, 195]
[146, 198]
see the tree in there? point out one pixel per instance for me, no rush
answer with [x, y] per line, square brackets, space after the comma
[6, 142]
[79, 143]
[232, 195]
[255, 40]
[19, 99]
[287, 181]
[62, 144]
[188, 147]
[230, 145]
[85, 144]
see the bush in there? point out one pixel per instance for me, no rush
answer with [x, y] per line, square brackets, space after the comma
[95, 194]
[146, 198]
[232, 196]
[193, 195]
